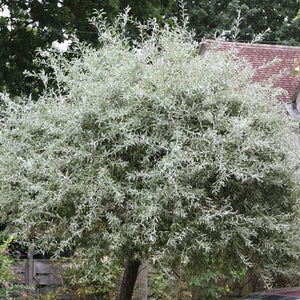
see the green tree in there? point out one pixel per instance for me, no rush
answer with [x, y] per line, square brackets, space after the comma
[152, 152]
[37, 24]
[208, 17]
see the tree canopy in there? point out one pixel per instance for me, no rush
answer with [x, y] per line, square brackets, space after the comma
[146, 150]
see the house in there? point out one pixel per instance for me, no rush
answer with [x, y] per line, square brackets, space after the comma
[260, 56]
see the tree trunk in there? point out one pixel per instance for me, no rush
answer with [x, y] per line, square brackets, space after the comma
[129, 278]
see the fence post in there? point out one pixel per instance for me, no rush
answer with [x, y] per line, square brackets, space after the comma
[142, 282]
[29, 279]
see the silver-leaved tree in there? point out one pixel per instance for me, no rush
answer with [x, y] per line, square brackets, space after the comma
[145, 150]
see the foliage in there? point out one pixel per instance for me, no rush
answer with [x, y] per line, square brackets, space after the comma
[8, 277]
[153, 151]
[53, 295]
[90, 275]
[296, 67]
[217, 279]
[161, 286]
[35, 24]
[298, 16]
[207, 17]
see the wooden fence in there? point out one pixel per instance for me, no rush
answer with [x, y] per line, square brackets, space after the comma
[38, 272]
[43, 275]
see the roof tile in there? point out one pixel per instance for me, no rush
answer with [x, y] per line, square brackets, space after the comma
[259, 55]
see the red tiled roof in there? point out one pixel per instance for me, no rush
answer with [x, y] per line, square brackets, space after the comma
[260, 54]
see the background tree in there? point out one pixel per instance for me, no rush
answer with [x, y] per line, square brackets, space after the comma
[37, 24]
[207, 17]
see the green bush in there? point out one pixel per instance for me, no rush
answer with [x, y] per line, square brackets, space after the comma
[88, 276]
[10, 283]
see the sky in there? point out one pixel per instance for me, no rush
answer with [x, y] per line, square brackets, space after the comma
[4, 12]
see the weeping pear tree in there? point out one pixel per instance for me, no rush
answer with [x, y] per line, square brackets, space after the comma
[148, 151]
